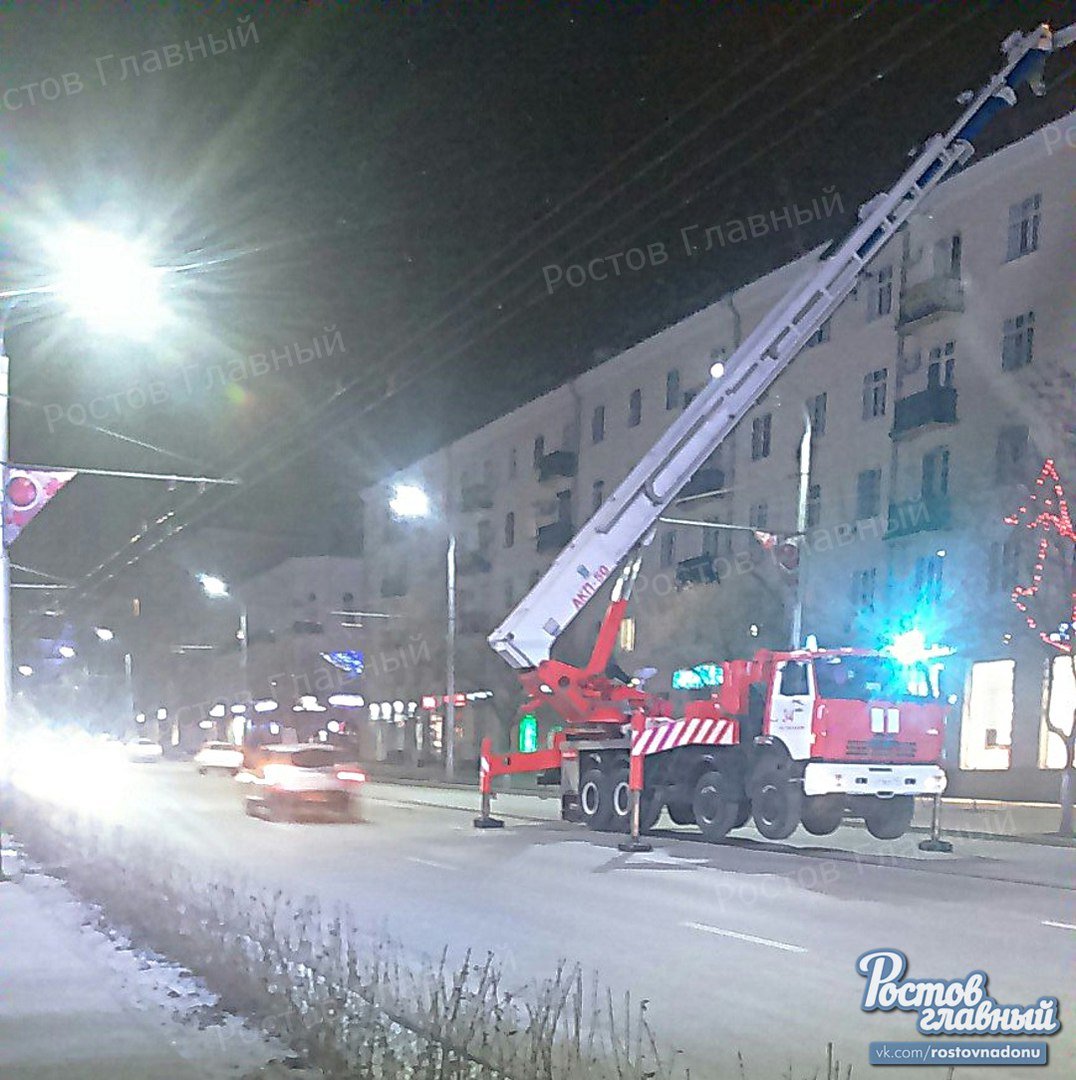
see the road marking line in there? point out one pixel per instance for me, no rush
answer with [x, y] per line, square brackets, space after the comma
[746, 937]
[1059, 925]
[430, 862]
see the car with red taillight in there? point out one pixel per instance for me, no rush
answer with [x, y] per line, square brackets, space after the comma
[303, 781]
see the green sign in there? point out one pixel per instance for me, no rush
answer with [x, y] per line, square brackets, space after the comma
[699, 677]
[528, 733]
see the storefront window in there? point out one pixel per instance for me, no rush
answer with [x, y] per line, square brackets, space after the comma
[986, 730]
[1062, 704]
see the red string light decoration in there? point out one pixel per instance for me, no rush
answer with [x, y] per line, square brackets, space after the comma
[1046, 510]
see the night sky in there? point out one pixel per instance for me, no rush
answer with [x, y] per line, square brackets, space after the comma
[403, 173]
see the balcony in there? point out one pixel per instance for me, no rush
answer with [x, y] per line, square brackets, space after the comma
[934, 405]
[554, 536]
[476, 497]
[704, 482]
[930, 299]
[924, 514]
[473, 562]
[699, 570]
[557, 463]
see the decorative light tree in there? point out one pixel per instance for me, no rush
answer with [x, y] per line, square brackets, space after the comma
[1048, 601]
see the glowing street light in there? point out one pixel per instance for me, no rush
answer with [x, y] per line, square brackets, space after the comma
[409, 501]
[66, 651]
[108, 281]
[103, 633]
[213, 587]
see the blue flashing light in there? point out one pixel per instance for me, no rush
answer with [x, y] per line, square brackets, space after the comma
[698, 677]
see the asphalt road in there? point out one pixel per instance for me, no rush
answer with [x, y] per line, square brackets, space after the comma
[745, 946]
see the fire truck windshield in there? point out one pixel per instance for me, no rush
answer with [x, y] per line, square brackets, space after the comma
[863, 678]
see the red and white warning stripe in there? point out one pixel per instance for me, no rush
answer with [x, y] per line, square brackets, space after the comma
[695, 732]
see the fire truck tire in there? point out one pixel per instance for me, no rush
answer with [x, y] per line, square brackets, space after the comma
[822, 814]
[618, 786]
[776, 801]
[595, 799]
[886, 819]
[681, 813]
[649, 810]
[714, 805]
[743, 813]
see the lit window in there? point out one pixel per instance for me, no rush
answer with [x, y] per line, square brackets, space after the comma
[986, 728]
[626, 636]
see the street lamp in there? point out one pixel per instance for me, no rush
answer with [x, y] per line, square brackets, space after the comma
[411, 501]
[108, 282]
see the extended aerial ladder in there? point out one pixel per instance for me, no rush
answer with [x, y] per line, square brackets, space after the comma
[613, 534]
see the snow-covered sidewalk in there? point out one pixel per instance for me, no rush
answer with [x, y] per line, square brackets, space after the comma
[77, 1002]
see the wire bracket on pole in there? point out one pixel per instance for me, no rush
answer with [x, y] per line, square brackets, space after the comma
[935, 841]
[486, 820]
[635, 783]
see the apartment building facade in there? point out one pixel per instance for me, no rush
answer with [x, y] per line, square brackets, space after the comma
[933, 394]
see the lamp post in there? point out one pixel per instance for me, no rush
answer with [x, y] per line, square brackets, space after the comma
[216, 589]
[411, 502]
[109, 283]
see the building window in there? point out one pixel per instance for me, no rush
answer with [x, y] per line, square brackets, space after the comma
[758, 516]
[942, 368]
[936, 473]
[1010, 457]
[864, 583]
[1018, 341]
[513, 463]
[597, 496]
[597, 424]
[1023, 228]
[668, 549]
[509, 529]
[348, 599]
[1005, 565]
[672, 389]
[928, 578]
[881, 294]
[816, 406]
[814, 505]
[626, 635]
[1061, 709]
[760, 436]
[820, 335]
[635, 408]
[711, 542]
[539, 450]
[874, 391]
[986, 727]
[485, 537]
[868, 494]
[947, 257]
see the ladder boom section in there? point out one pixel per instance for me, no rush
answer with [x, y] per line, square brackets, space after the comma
[526, 636]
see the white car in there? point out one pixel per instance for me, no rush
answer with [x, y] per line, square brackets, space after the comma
[144, 750]
[220, 757]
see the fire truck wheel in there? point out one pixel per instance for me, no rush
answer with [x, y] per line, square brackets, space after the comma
[595, 802]
[618, 787]
[822, 814]
[714, 805]
[681, 813]
[649, 810]
[776, 801]
[887, 819]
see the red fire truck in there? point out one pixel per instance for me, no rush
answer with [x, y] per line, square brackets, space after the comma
[797, 737]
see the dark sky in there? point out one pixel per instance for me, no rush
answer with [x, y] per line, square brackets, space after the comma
[403, 173]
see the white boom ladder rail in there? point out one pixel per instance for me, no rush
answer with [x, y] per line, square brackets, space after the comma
[526, 636]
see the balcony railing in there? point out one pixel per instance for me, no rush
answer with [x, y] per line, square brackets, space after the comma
[934, 405]
[924, 514]
[557, 463]
[472, 562]
[930, 299]
[703, 482]
[554, 536]
[699, 570]
[476, 497]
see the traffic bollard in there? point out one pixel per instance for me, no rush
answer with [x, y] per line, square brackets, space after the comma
[635, 782]
[486, 820]
[935, 842]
